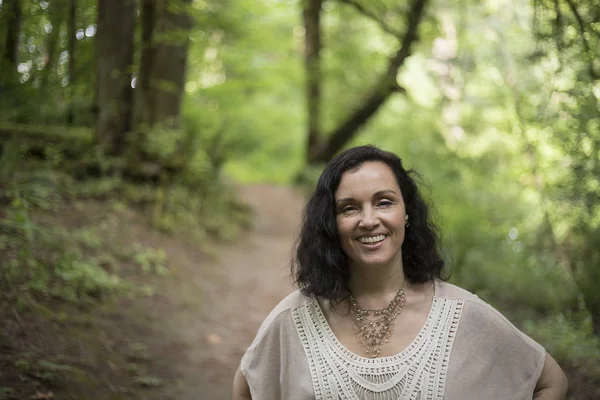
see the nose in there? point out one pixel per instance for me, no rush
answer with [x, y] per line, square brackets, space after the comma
[368, 219]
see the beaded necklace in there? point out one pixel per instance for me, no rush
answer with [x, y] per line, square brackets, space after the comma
[374, 327]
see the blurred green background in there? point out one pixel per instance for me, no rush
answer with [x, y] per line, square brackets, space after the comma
[165, 105]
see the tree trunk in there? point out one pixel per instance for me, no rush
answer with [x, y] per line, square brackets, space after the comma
[383, 88]
[57, 15]
[170, 40]
[114, 57]
[10, 21]
[161, 75]
[588, 271]
[142, 104]
[312, 59]
[591, 298]
[72, 39]
[160, 82]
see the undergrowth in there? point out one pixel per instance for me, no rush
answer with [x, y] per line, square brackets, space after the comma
[66, 248]
[42, 261]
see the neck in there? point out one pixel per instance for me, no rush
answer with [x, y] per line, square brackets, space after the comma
[375, 287]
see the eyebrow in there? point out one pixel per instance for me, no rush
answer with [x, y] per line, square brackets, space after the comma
[376, 194]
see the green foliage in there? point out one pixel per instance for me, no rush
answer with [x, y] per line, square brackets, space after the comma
[43, 89]
[215, 211]
[82, 265]
[83, 278]
[7, 393]
[149, 260]
[569, 340]
[47, 260]
[48, 372]
[138, 351]
[149, 381]
[514, 285]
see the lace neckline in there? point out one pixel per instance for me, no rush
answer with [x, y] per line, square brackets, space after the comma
[387, 360]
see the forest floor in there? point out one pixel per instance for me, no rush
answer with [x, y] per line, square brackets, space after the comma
[183, 342]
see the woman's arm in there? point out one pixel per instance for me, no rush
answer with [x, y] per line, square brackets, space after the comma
[552, 384]
[241, 391]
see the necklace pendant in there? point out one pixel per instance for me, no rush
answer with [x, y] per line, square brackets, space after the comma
[373, 333]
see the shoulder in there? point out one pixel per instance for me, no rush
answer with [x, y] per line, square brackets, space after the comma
[447, 290]
[281, 313]
[274, 365]
[476, 311]
[489, 352]
[486, 330]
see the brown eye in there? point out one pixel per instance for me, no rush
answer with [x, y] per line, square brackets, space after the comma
[347, 209]
[385, 203]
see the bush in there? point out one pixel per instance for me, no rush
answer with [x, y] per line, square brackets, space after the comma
[570, 341]
[524, 285]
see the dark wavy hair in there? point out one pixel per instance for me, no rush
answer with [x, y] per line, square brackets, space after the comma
[320, 266]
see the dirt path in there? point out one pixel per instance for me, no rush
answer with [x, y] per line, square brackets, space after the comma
[212, 309]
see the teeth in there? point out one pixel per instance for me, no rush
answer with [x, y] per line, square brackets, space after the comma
[371, 239]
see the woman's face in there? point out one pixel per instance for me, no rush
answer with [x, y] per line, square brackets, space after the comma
[370, 216]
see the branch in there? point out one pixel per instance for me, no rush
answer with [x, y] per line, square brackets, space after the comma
[558, 23]
[580, 22]
[586, 45]
[361, 9]
[398, 89]
[385, 86]
[410, 36]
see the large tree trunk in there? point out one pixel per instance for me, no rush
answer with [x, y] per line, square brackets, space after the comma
[72, 39]
[160, 82]
[170, 41]
[142, 104]
[114, 58]
[10, 21]
[312, 59]
[161, 75]
[383, 88]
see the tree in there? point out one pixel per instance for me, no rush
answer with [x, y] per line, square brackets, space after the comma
[568, 32]
[114, 59]
[56, 18]
[312, 58]
[72, 39]
[322, 148]
[10, 22]
[160, 84]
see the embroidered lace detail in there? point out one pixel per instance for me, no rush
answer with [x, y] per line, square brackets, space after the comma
[417, 373]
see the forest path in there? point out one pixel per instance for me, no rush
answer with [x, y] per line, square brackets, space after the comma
[213, 307]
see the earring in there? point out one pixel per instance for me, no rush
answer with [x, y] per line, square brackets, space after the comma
[406, 219]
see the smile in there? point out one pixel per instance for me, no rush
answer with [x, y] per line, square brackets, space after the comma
[372, 239]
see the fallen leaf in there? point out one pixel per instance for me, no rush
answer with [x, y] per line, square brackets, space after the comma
[214, 339]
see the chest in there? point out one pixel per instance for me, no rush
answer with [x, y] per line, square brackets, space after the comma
[405, 329]
[413, 366]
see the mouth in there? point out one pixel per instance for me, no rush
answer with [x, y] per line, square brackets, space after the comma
[371, 240]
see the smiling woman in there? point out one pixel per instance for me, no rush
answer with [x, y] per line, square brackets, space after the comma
[372, 318]
[370, 216]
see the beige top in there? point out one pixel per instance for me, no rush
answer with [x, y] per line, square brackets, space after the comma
[465, 351]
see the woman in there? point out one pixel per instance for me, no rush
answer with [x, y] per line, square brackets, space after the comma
[372, 318]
